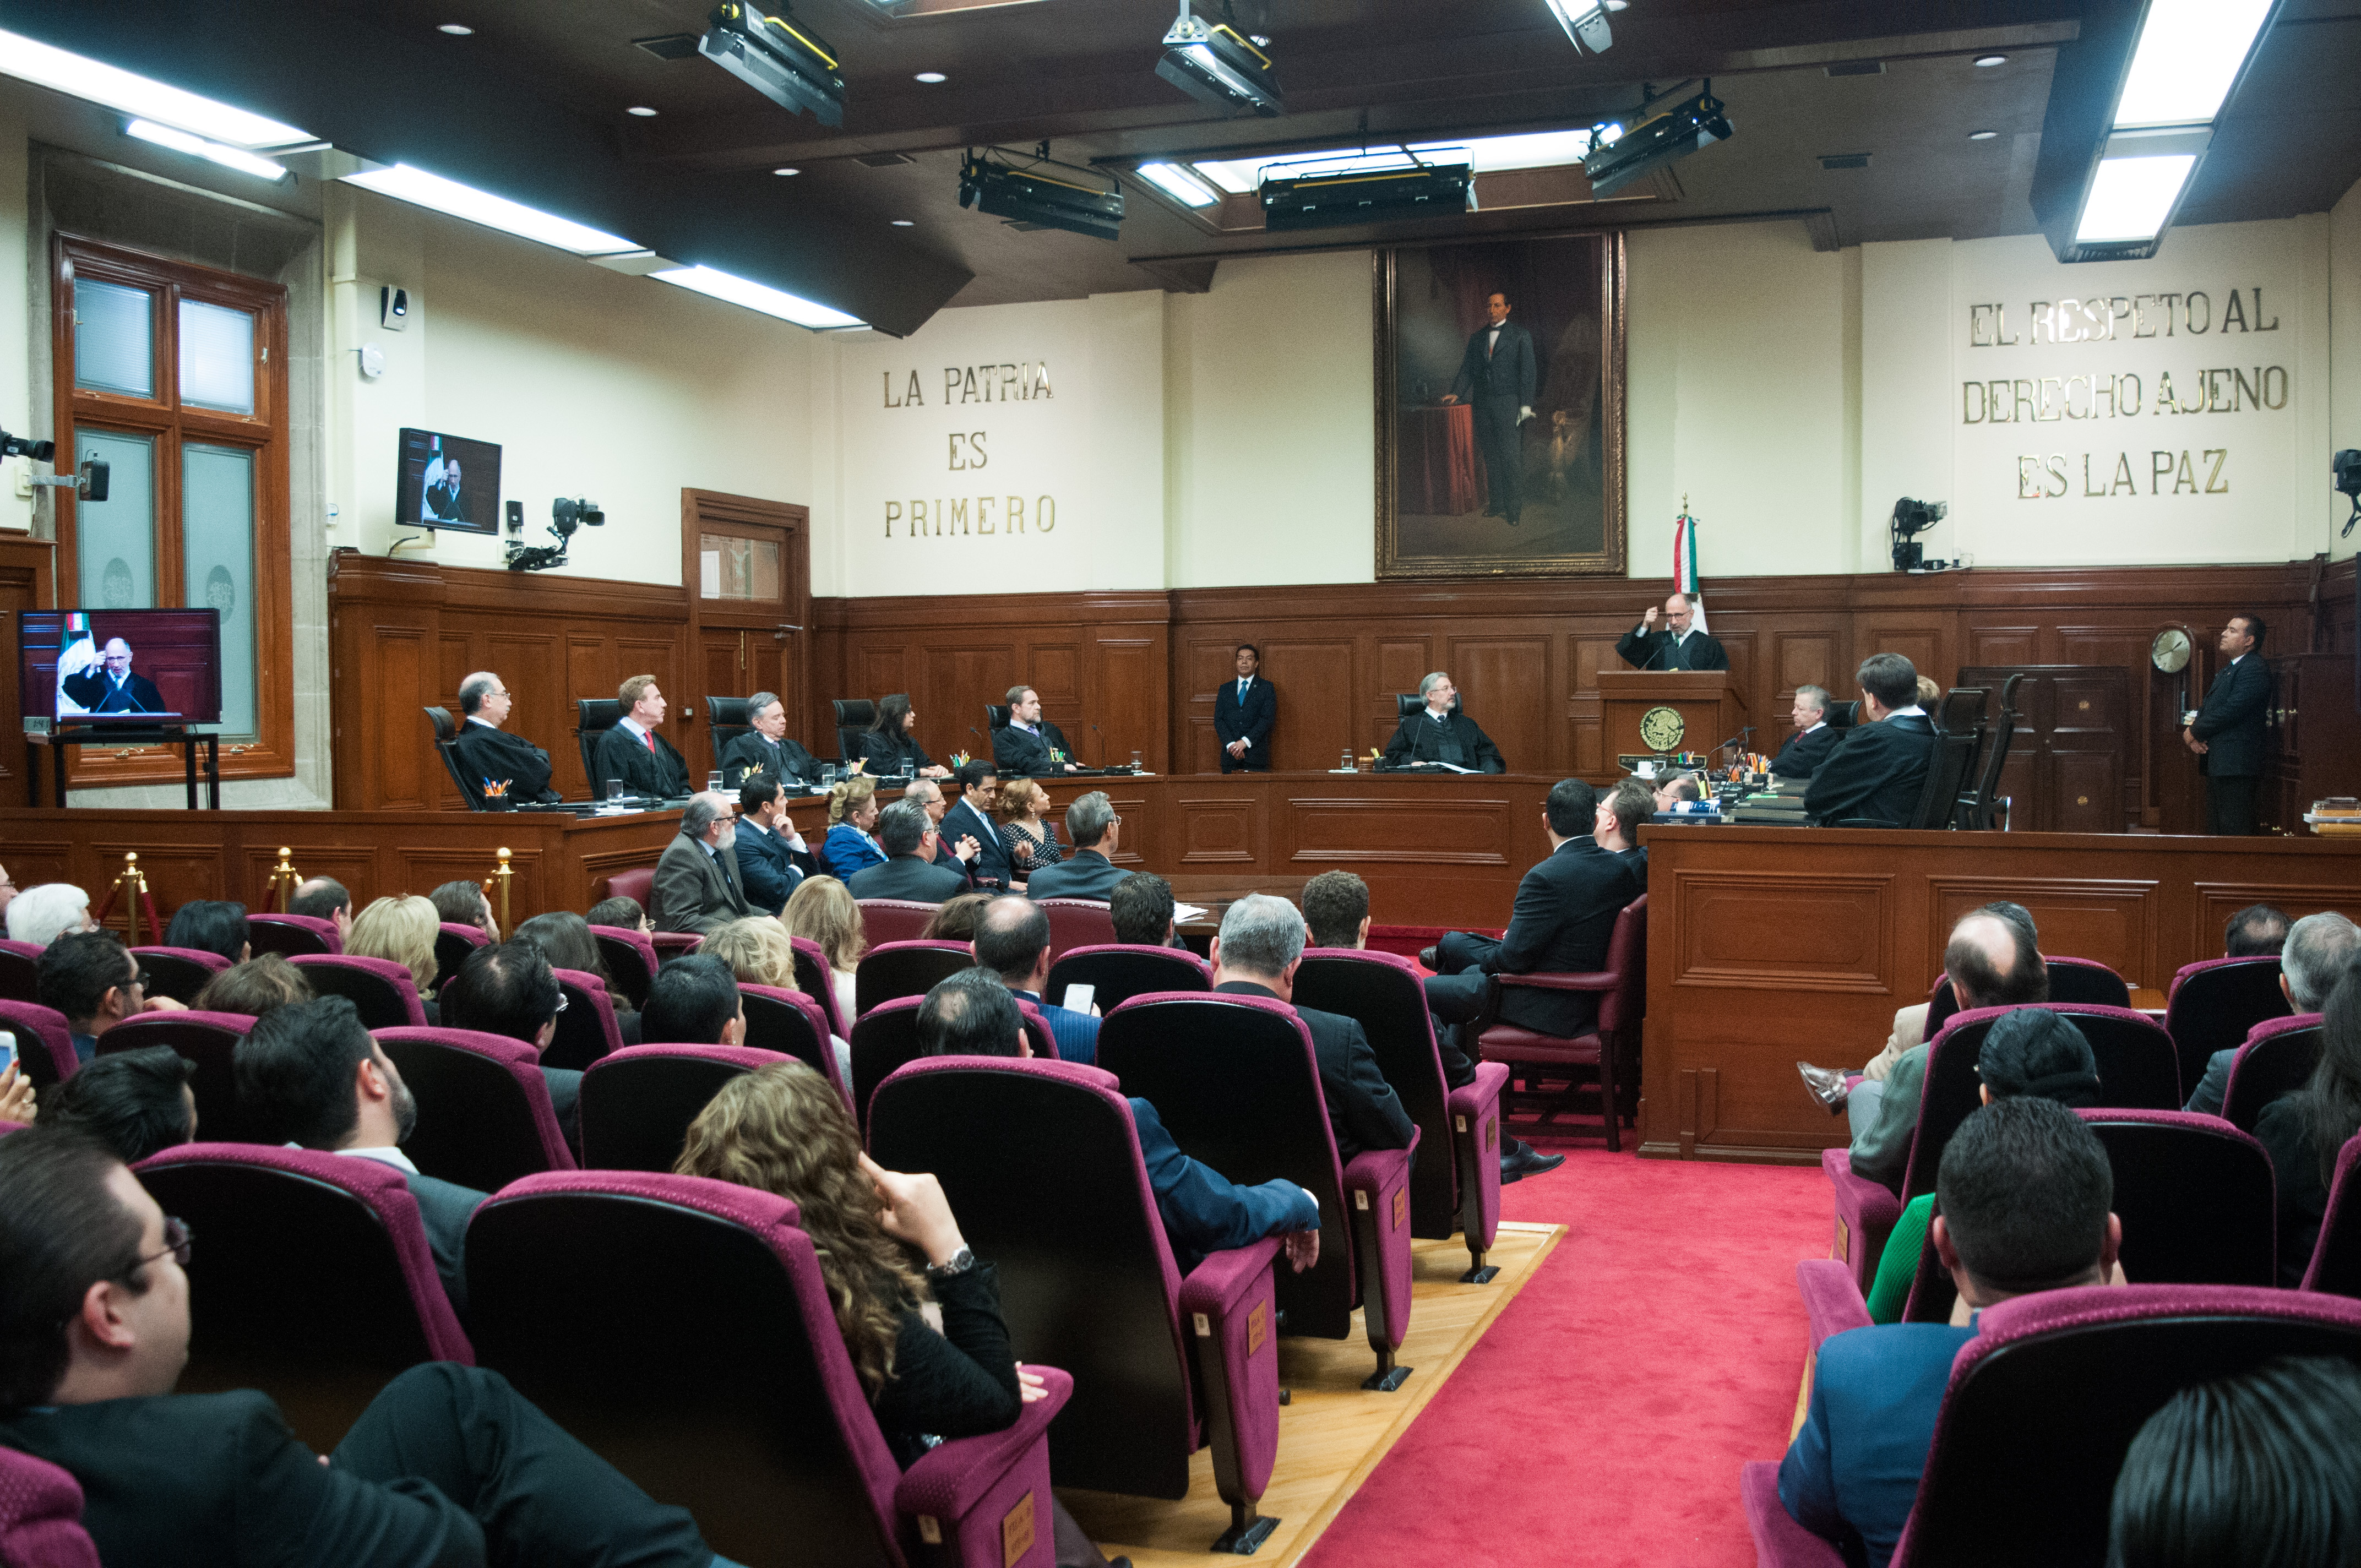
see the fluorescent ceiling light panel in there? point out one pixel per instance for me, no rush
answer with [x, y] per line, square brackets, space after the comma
[1179, 183]
[404, 183]
[235, 158]
[1489, 155]
[82, 77]
[2188, 54]
[2131, 197]
[760, 297]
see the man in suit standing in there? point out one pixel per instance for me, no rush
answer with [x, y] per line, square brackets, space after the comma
[765, 748]
[1258, 950]
[632, 751]
[771, 854]
[979, 787]
[697, 884]
[2227, 732]
[1814, 738]
[1498, 369]
[485, 752]
[1011, 941]
[1023, 746]
[1244, 711]
[310, 1076]
[112, 687]
[1440, 733]
[1090, 871]
[908, 870]
[2025, 1204]
[1676, 647]
[448, 1464]
[1880, 769]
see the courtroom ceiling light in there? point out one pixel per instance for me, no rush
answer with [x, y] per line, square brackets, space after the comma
[405, 183]
[760, 297]
[1982, 135]
[2131, 199]
[778, 57]
[1040, 193]
[457, 30]
[79, 76]
[1663, 137]
[1488, 155]
[786, 171]
[1180, 184]
[1217, 64]
[642, 111]
[1986, 61]
[930, 77]
[2188, 55]
[235, 158]
[1585, 22]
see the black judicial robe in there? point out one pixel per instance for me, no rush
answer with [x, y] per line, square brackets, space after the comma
[484, 753]
[1879, 772]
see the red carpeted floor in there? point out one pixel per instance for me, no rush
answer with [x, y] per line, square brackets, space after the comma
[1603, 1419]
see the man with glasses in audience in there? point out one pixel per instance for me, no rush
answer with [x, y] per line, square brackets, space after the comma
[487, 753]
[1090, 871]
[97, 983]
[510, 990]
[958, 852]
[2320, 948]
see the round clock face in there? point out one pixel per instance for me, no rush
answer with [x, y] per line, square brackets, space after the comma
[1661, 730]
[2169, 652]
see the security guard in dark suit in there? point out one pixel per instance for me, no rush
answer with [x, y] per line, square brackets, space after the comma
[2227, 733]
[1498, 370]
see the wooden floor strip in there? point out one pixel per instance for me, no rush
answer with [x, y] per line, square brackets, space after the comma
[1332, 1432]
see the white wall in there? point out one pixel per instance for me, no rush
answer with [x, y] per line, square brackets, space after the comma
[16, 291]
[2344, 343]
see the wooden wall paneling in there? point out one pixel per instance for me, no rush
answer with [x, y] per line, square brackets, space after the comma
[876, 673]
[176, 874]
[2002, 646]
[1129, 696]
[28, 581]
[2217, 901]
[1804, 658]
[407, 664]
[1221, 832]
[1490, 673]
[2115, 922]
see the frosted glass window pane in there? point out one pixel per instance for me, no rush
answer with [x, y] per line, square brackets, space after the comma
[735, 569]
[216, 357]
[217, 552]
[115, 540]
[115, 338]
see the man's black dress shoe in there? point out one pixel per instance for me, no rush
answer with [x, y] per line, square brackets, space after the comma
[1827, 1084]
[1526, 1160]
[1431, 958]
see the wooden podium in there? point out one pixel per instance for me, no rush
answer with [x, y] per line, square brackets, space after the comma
[1709, 702]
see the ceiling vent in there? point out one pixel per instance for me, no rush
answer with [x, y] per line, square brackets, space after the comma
[668, 46]
[1856, 68]
[1844, 161]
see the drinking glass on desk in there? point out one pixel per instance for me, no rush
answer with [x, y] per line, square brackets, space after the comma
[614, 792]
[1346, 766]
[713, 780]
[1135, 761]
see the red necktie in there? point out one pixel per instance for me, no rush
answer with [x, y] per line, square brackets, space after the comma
[649, 736]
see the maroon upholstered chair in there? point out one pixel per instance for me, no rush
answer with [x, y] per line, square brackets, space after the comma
[638, 1103]
[1381, 992]
[484, 1116]
[2335, 1265]
[1236, 1083]
[1779, 1541]
[906, 969]
[178, 972]
[311, 1278]
[586, 1289]
[206, 1039]
[896, 919]
[454, 944]
[1077, 922]
[1941, 1002]
[40, 1515]
[2085, 980]
[44, 1041]
[631, 958]
[2195, 1196]
[1610, 1048]
[587, 1029]
[2277, 1058]
[2139, 1069]
[791, 1023]
[292, 935]
[2214, 1003]
[1118, 972]
[1041, 1162]
[816, 980]
[883, 1041]
[21, 970]
[638, 884]
[380, 991]
[672, 944]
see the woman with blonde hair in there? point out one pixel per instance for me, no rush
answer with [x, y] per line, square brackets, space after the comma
[1028, 840]
[824, 910]
[852, 814]
[402, 929]
[930, 1347]
[758, 951]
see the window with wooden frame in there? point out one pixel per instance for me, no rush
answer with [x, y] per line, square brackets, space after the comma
[176, 375]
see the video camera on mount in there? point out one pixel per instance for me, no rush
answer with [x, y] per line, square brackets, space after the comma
[565, 517]
[89, 481]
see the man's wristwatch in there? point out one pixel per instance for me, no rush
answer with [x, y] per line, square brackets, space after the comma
[961, 1261]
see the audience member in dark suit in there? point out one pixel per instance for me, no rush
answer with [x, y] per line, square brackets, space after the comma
[2318, 950]
[1256, 954]
[136, 1102]
[972, 817]
[1011, 941]
[1879, 770]
[1814, 738]
[908, 870]
[449, 1464]
[893, 751]
[1142, 907]
[2304, 1131]
[1440, 733]
[309, 1075]
[1676, 647]
[697, 885]
[1090, 871]
[1621, 812]
[112, 687]
[1496, 371]
[510, 990]
[1029, 746]
[484, 750]
[767, 748]
[955, 850]
[767, 844]
[632, 751]
[2228, 732]
[2024, 1200]
[1244, 711]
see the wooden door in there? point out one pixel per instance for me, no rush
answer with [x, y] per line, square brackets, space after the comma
[747, 566]
[2065, 772]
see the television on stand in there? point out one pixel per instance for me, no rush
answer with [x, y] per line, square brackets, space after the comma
[118, 669]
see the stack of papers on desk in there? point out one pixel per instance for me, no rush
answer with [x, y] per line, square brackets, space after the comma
[1182, 914]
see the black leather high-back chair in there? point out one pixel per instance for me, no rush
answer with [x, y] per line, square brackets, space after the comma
[637, 1103]
[1961, 712]
[995, 717]
[883, 1039]
[725, 719]
[853, 715]
[1407, 703]
[447, 735]
[593, 717]
[1945, 770]
[1995, 756]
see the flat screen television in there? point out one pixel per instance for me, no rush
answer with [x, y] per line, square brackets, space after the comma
[448, 481]
[126, 667]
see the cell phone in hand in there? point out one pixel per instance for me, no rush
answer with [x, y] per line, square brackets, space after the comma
[7, 1050]
[1078, 998]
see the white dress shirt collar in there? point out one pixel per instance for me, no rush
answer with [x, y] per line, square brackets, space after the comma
[392, 1157]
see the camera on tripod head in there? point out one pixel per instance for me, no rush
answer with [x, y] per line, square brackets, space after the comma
[565, 517]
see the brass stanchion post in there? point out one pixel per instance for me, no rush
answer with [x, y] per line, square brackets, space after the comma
[502, 875]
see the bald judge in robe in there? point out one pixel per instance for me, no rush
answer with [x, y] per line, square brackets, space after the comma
[484, 750]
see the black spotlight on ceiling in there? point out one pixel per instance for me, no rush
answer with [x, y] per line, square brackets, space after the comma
[1415, 187]
[1912, 519]
[777, 57]
[1667, 135]
[1043, 193]
[2346, 467]
[1220, 66]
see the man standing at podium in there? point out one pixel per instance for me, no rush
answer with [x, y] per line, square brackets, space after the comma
[1676, 647]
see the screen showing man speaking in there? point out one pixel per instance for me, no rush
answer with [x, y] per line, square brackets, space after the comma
[448, 481]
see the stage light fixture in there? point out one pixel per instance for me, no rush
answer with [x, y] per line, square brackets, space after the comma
[1414, 187]
[1220, 66]
[1663, 137]
[1912, 519]
[776, 56]
[1042, 192]
[1585, 22]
